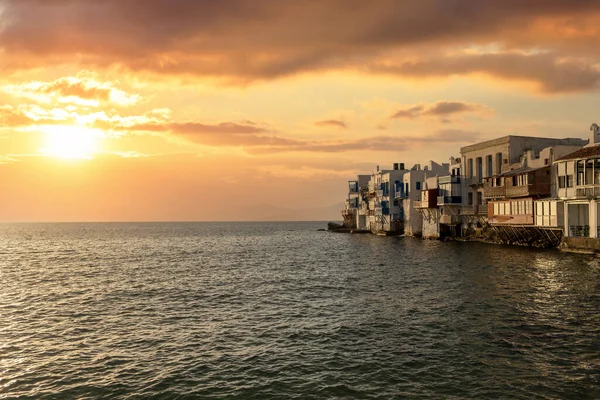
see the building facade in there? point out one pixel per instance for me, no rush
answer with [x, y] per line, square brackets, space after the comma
[494, 157]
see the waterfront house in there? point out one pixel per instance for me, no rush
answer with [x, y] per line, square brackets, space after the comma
[427, 205]
[577, 203]
[449, 200]
[414, 183]
[511, 195]
[357, 190]
[492, 158]
[385, 213]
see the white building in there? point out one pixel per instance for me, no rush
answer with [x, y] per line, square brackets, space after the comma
[409, 192]
[492, 157]
[577, 182]
[356, 192]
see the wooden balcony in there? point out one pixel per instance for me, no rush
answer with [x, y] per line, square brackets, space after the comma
[496, 192]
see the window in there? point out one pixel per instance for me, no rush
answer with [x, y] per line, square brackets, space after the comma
[395, 202]
[479, 198]
[498, 163]
[522, 180]
[470, 196]
[514, 180]
[562, 182]
[418, 185]
[489, 165]
[569, 181]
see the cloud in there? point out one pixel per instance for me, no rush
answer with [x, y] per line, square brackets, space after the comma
[331, 123]
[28, 115]
[441, 109]
[245, 41]
[409, 113]
[375, 143]
[81, 90]
[225, 128]
[551, 72]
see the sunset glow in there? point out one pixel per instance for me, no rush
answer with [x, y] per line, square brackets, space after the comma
[280, 101]
[70, 142]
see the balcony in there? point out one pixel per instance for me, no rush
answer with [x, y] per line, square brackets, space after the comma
[588, 191]
[579, 230]
[449, 179]
[450, 219]
[474, 180]
[382, 211]
[400, 195]
[494, 192]
[420, 204]
[474, 210]
[449, 200]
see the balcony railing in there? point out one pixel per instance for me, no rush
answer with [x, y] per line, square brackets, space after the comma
[494, 192]
[420, 204]
[474, 210]
[579, 230]
[445, 200]
[449, 179]
[382, 211]
[474, 180]
[450, 219]
[588, 191]
[400, 195]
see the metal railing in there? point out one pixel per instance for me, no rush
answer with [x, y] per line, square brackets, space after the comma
[588, 191]
[442, 200]
[579, 230]
[449, 179]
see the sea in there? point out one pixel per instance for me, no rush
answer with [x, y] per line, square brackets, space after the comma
[285, 311]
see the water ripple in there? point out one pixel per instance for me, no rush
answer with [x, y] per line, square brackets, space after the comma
[279, 310]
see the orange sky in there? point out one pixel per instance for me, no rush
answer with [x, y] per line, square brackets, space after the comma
[243, 110]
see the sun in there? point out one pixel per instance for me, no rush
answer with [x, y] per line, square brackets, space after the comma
[70, 142]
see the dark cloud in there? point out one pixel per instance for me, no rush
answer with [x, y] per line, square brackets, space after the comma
[375, 143]
[409, 113]
[222, 134]
[552, 73]
[246, 40]
[226, 128]
[331, 123]
[441, 109]
[257, 140]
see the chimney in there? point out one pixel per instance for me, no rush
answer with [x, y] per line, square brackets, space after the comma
[594, 136]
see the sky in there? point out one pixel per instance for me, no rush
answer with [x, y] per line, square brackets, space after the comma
[198, 110]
